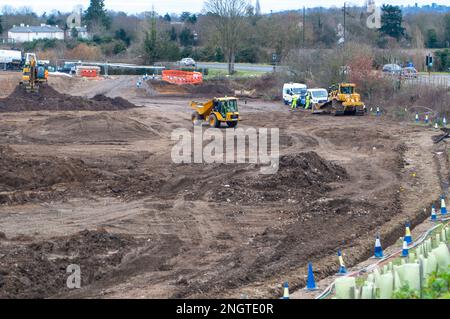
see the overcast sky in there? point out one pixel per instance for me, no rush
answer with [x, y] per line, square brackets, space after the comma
[177, 6]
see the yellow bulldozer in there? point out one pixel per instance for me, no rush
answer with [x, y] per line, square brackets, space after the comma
[342, 100]
[216, 112]
[34, 73]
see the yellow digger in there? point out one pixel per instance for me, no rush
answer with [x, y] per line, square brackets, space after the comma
[34, 73]
[216, 112]
[342, 100]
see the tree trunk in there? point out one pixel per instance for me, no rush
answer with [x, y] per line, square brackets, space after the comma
[231, 59]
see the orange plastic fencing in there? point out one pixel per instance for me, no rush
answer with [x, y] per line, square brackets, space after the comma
[89, 73]
[182, 77]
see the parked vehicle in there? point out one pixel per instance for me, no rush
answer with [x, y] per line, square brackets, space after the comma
[294, 89]
[318, 95]
[68, 67]
[11, 59]
[188, 62]
[410, 73]
[393, 69]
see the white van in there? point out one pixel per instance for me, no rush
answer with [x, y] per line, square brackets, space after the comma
[292, 89]
[319, 96]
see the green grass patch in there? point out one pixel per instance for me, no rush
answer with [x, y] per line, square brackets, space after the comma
[220, 73]
[435, 73]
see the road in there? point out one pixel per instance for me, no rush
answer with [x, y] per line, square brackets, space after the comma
[237, 66]
[433, 79]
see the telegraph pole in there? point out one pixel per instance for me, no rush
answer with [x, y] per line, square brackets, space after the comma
[344, 66]
[345, 13]
[304, 24]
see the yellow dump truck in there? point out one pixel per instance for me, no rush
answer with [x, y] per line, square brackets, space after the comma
[216, 111]
[342, 99]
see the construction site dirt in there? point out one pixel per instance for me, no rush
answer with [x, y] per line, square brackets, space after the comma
[96, 187]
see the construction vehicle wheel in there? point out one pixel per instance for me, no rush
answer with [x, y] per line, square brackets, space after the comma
[213, 121]
[232, 124]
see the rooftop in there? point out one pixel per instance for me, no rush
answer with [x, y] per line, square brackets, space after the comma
[30, 29]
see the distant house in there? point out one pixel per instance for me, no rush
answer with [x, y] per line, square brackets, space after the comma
[27, 33]
[82, 32]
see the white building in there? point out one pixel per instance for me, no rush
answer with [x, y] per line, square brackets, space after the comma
[27, 33]
[82, 32]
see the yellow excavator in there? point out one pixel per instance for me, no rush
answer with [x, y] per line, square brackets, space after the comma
[34, 73]
[216, 112]
[342, 100]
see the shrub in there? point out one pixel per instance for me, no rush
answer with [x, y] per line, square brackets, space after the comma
[84, 52]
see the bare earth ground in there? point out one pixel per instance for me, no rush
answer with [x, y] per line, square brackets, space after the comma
[99, 189]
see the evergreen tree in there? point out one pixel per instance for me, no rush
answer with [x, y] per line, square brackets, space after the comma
[150, 42]
[186, 37]
[432, 40]
[173, 34]
[96, 14]
[447, 29]
[74, 33]
[391, 21]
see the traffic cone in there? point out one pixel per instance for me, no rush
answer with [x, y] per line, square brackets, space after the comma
[286, 291]
[408, 237]
[443, 207]
[433, 213]
[310, 282]
[342, 269]
[417, 117]
[405, 251]
[426, 119]
[378, 248]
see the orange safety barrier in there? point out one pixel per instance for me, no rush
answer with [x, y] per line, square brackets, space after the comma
[182, 77]
[89, 73]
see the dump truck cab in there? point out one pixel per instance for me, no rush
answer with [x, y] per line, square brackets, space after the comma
[216, 111]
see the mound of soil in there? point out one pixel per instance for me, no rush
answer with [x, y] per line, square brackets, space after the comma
[27, 178]
[28, 173]
[101, 127]
[216, 88]
[49, 99]
[38, 270]
[266, 86]
[299, 175]
[209, 88]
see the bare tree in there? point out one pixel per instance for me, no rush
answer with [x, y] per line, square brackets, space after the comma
[228, 19]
